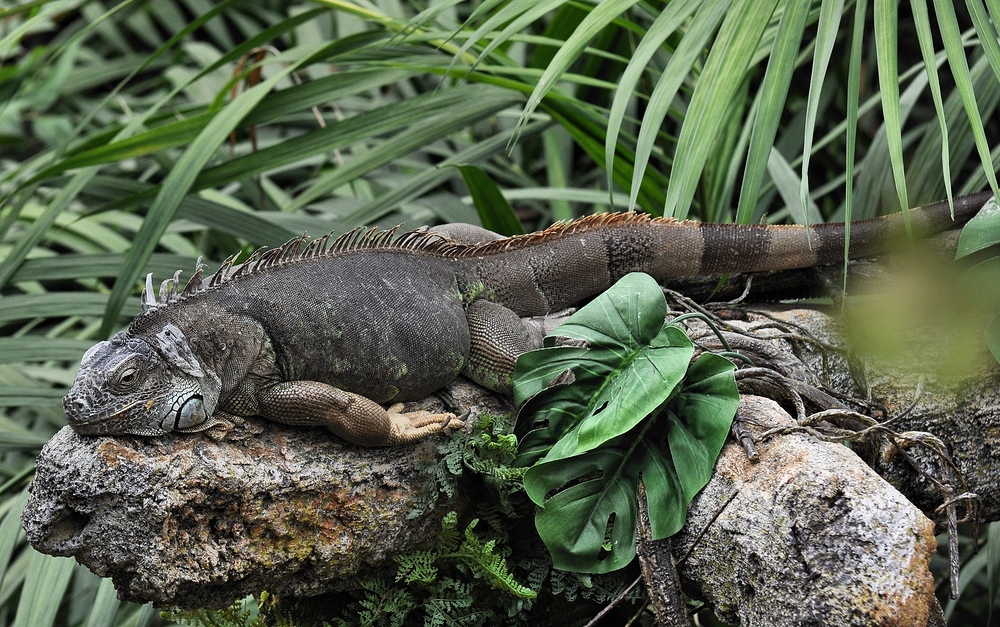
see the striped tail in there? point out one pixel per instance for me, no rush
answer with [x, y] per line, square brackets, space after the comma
[542, 272]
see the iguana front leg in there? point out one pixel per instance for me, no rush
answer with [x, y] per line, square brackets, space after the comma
[350, 416]
[498, 337]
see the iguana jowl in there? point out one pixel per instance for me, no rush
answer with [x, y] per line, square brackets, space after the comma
[322, 333]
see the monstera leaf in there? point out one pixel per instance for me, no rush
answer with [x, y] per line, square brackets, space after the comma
[618, 404]
[982, 232]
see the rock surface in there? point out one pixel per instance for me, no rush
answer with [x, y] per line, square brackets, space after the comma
[807, 535]
[190, 522]
[918, 391]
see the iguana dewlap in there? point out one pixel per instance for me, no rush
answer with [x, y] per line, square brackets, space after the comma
[324, 332]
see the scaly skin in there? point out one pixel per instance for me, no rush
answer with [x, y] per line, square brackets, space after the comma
[323, 335]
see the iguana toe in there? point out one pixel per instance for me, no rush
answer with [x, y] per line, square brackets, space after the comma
[414, 425]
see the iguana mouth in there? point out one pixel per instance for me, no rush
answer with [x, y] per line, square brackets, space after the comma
[86, 426]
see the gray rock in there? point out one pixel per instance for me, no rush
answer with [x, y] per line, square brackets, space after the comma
[808, 535]
[189, 522]
[922, 388]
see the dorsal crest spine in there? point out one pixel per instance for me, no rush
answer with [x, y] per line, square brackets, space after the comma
[300, 249]
[295, 250]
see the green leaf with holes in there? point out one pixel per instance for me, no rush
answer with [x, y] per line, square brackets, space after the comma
[631, 364]
[625, 405]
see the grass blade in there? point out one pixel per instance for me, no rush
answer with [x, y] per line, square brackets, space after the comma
[952, 39]
[853, 97]
[44, 586]
[595, 21]
[886, 34]
[672, 17]
[431, 178]
[789, 186]
[774, 91]
[495, 212]
[677, 71]
[10, 529]
[417, 136]
[724, 72]
[55, 304]
[106, 604]
[826, 35]
[921, 21]
[34, 348]
[176, 187]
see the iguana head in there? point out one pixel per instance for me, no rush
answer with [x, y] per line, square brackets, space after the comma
[128, 386]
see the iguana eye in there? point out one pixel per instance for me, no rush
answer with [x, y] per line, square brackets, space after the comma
[128, 377]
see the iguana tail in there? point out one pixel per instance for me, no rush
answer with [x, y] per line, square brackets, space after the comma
[546, 271]
[786, 247]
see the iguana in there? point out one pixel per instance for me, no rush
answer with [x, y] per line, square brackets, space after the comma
[325, 332]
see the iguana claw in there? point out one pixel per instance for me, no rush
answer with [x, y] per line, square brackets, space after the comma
[414, 425]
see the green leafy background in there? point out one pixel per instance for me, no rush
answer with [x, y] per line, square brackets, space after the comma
[116, 156]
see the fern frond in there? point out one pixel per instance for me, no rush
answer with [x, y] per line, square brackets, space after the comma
[485, 561]
[384, 604]
[450, 538]
[454, 606]
[417, 567]
[241, 613]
